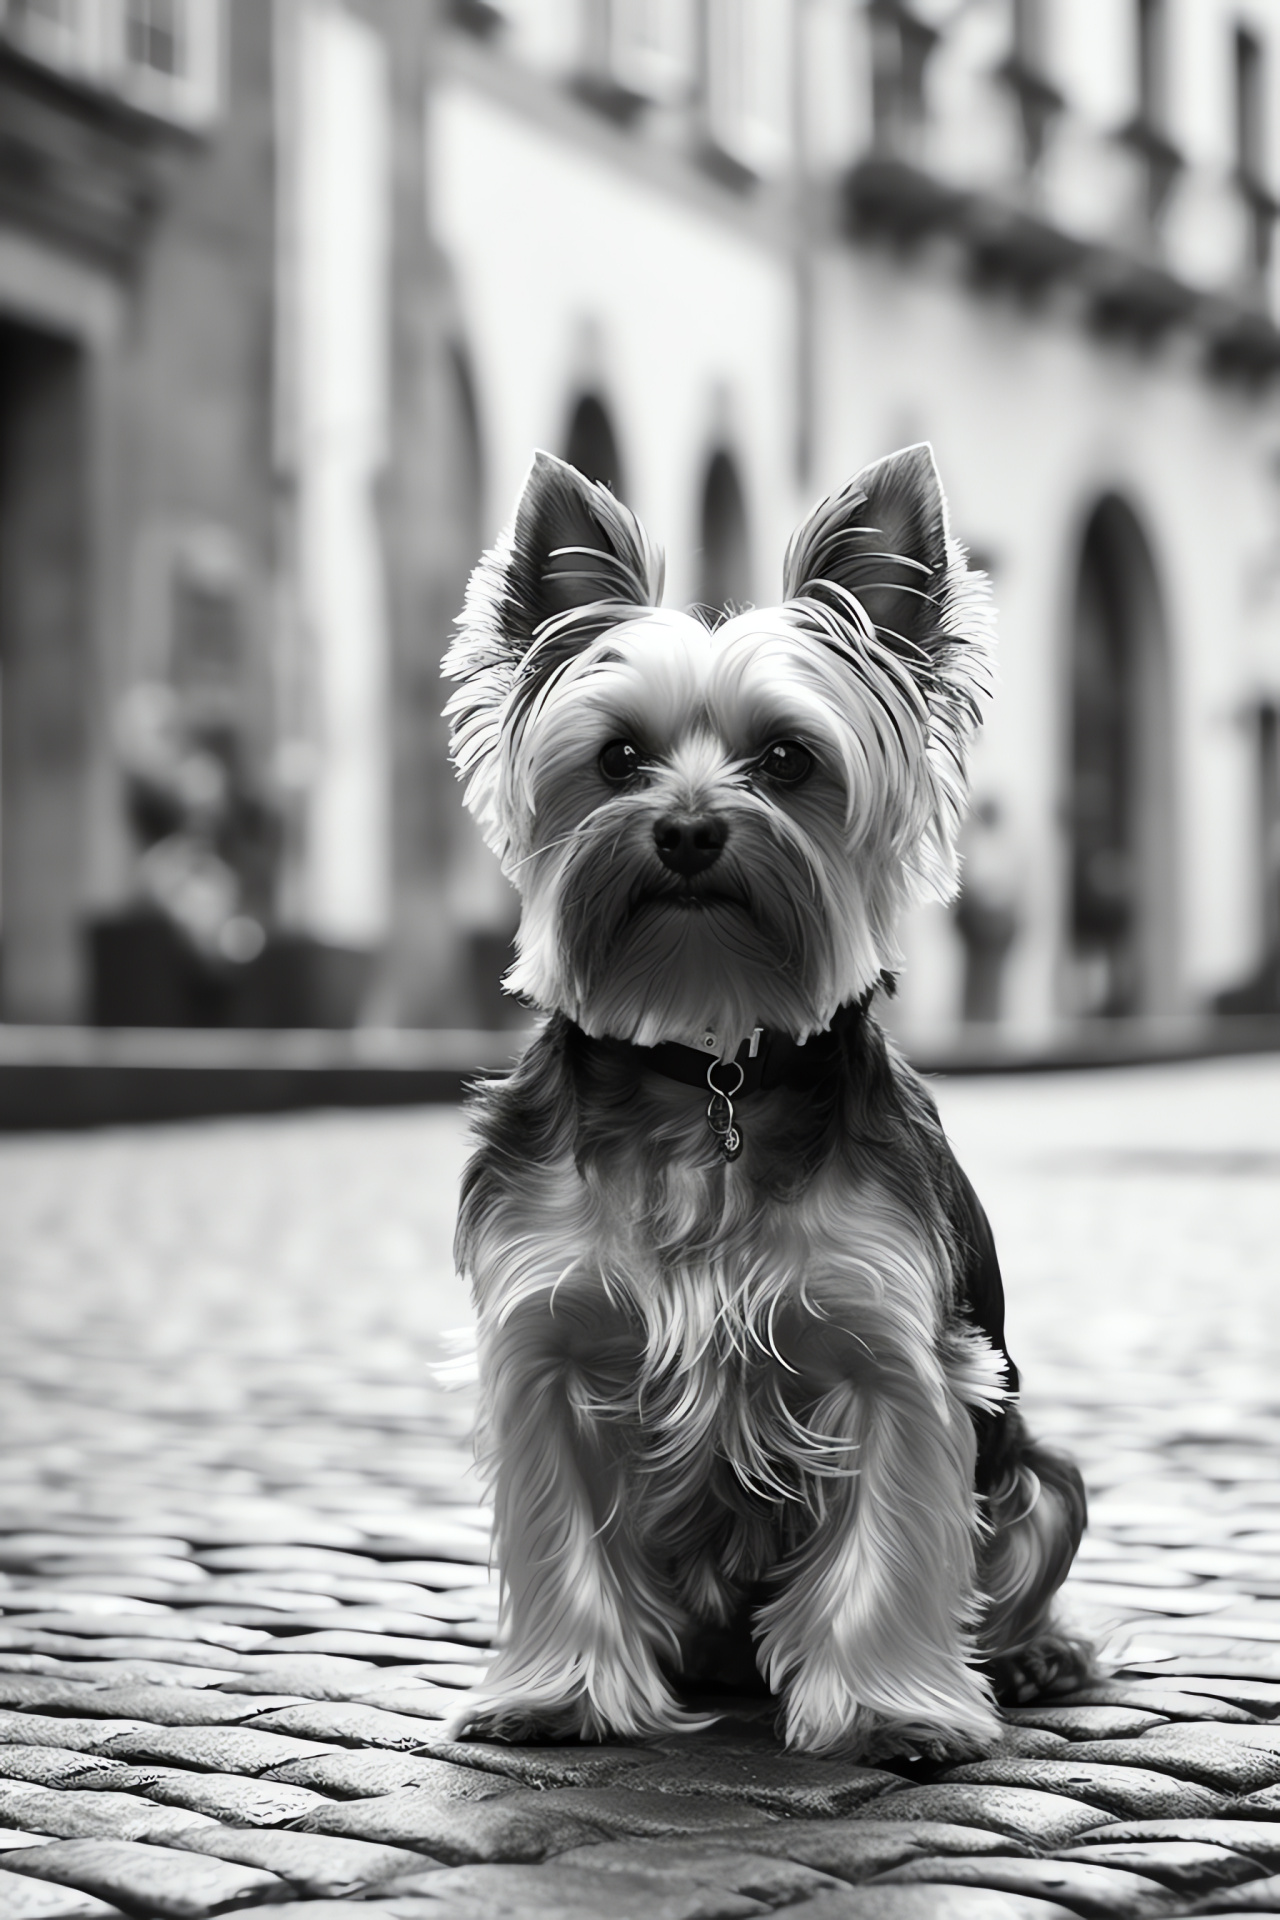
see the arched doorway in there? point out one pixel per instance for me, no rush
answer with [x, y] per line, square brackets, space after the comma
[591, 444]
[442, 878]
[443, 492]
[725, 578]
[1121, 922]
[45, 601]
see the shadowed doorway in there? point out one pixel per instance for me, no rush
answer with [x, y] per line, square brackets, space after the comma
[592, 445]
[44, 673]
[725, 577]
[1121, 927]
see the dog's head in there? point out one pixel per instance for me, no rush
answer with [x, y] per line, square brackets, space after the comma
[715, 826]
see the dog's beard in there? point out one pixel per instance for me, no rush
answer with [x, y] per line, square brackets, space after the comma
[680, 963]
[629, 950]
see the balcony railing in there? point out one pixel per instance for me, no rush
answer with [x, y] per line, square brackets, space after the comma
[964, 131]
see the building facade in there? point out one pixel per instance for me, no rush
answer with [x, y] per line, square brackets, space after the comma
[290, 291]
[135, 498]
[215, 290]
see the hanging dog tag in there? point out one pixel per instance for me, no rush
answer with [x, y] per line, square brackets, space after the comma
[720, 1107]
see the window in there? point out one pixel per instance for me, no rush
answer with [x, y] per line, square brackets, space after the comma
[1025, 73]
[1153, 64]
[153, 36]
[1251, 149]
[1248, 105]
[900, 48]
[169, 56]
[163, 56]
[1029, 34]
[64, 34]
[592, 445]
[651, 47]
[725, 573]
[1147, 134]
[748, 79]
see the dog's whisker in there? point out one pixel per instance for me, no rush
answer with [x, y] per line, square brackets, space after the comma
[549, 846]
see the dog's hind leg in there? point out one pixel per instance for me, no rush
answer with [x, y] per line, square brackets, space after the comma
[1036, 1511]
[585, 1621]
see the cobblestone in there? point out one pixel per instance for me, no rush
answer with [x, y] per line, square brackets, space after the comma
[313, 1862]
[103, 1816]
[1230, 1766]
[25, 1899]
[1042, 1819]
[243, 1559]
[1184, 1866]
[1255, 1839]
[1136, 1791]
[1097, 1892]
[1263, 1896]
[362, 1775]
[479, 1893]
[504, 1828]
[154, 1879]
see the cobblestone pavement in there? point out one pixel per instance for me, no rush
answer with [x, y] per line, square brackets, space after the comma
[243, 1558]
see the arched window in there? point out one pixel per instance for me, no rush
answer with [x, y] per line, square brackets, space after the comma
[1121, 922]
[592, 446]
[725, 579]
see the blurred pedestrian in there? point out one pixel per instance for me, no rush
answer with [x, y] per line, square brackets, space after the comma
[988, 913]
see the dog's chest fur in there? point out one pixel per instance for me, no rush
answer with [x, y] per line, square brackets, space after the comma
[705, 1306]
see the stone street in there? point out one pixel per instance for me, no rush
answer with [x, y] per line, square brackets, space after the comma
[243, 1557]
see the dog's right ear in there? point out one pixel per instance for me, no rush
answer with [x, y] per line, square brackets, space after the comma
[573, 546]
[573, 562]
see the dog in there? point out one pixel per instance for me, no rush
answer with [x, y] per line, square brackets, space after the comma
[740, 1316]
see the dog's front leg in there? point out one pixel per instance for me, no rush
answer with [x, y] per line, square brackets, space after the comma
[868, 1641]
[585, 1619]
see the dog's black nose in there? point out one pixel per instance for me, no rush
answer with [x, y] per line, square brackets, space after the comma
[689, 844]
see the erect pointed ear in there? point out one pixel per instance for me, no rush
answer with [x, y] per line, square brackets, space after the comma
[884, 540]
[875, 574]
[573, 562]
[571, 546]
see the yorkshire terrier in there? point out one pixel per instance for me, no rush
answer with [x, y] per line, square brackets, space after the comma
[741, 1323]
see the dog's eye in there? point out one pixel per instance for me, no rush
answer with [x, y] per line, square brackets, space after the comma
[787, 762]
[619, 761]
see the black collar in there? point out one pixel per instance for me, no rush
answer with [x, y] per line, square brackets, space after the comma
[776, 1061]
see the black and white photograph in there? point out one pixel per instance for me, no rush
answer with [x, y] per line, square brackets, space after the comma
[639, 959]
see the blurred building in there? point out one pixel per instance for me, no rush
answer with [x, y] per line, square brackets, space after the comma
[213, 627]
[289, 291]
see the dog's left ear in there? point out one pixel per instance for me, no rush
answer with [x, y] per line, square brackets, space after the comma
[886, 583]
[879, 555]
[884, 540]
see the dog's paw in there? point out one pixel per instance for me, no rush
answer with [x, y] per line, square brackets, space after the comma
[890, 1740]
[519, 1717]
[527, 1718]
[1055, 1662]
[511, 1721]
[822, 1714]
[873, 1739]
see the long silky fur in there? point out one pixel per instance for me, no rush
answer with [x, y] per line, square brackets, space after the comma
[712, 1391]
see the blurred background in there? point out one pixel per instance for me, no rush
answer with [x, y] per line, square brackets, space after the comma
[289, 291]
